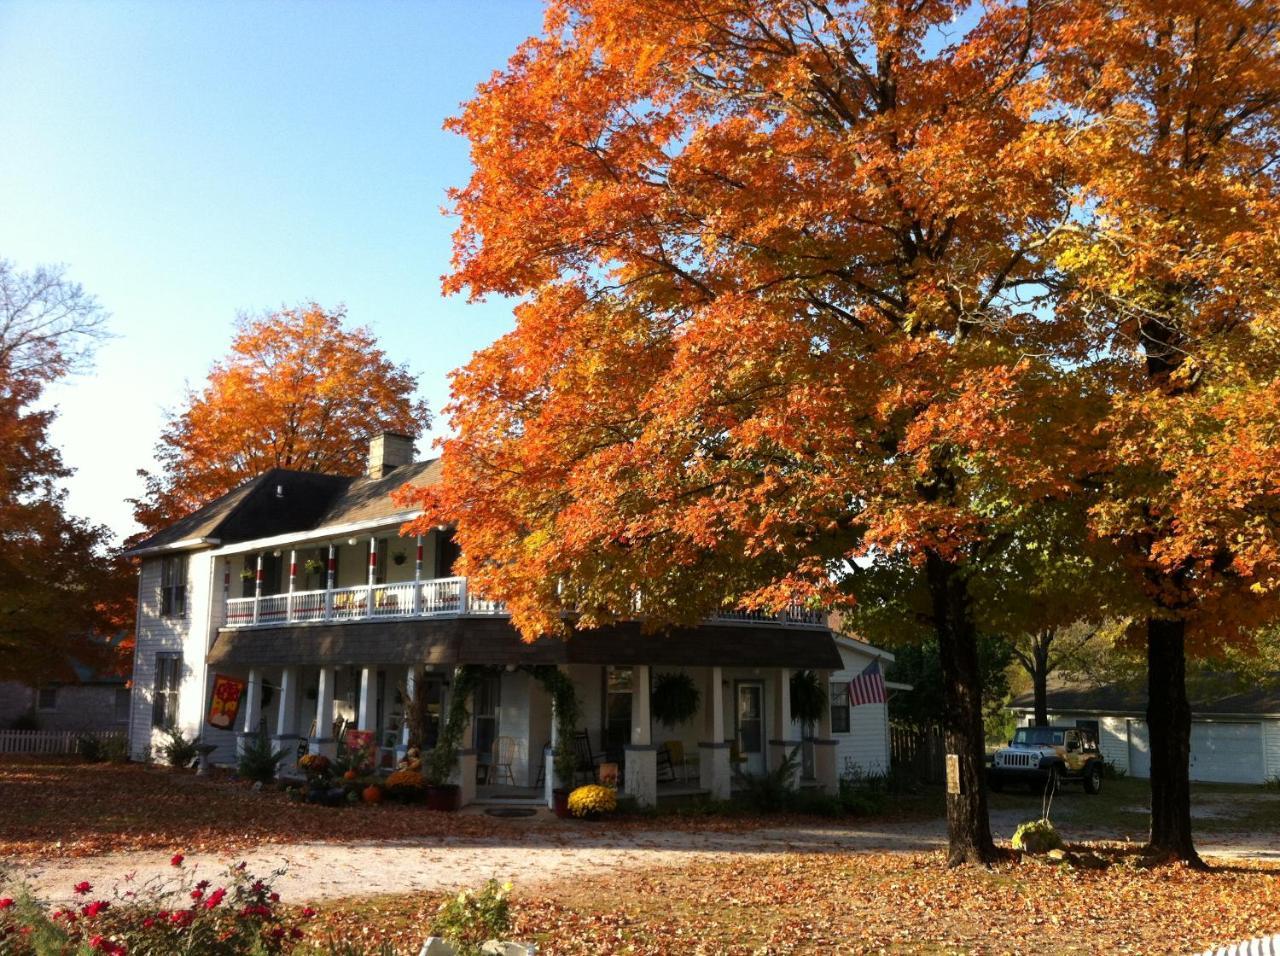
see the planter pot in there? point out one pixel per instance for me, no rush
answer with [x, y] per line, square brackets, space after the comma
[560, 804]
[446, 797]
[435, 946]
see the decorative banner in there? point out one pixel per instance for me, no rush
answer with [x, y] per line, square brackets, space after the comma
[225, 705]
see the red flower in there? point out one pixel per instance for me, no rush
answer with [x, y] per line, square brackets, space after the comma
[5, 903]
[215, 898]
[149, 922]
[182, 917]
[308, 912]
[105, 945]
[176, 859]
[296, 933]
[274, 897]
[94, 908]
[256, 909]
[202, 885]
[83, 887]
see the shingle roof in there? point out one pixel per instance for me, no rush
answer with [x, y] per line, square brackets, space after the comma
[281, 501]
[1127, 698]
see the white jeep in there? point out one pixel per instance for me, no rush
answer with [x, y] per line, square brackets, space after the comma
[1046, 757]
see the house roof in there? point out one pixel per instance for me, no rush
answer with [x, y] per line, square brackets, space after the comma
[1131, 698]
[283, 501]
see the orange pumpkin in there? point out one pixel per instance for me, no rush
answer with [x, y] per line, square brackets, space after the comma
[372, 794]
[350, 775]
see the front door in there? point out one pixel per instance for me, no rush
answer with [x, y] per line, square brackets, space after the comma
[749, 726]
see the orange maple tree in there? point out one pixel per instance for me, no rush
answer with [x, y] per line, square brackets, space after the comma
[298, 390]
[1175, 293]
[779, 263]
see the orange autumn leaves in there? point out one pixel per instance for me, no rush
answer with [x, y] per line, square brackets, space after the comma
[807, 281]
[297, 390]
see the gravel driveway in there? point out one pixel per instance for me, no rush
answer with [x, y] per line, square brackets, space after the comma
[318, 871]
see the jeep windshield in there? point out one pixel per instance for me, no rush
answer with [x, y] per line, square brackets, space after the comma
[1037, 736]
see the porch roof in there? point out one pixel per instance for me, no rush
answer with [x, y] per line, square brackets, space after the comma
[496, 642]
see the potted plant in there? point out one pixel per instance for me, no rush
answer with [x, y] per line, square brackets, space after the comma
[674, 699]
[398, 557]
[472, 923]
[441, 794]
[248, 574]
[312, 566]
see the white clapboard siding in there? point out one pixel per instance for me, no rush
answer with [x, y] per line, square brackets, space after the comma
[156, 634]
[46, 741]
[866, 745]
[1271, 744]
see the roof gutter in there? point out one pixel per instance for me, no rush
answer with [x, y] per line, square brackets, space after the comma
[186, 544]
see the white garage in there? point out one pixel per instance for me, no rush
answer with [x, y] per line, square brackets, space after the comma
[1234, 739]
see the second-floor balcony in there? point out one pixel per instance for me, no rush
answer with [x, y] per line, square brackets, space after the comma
[437, 597]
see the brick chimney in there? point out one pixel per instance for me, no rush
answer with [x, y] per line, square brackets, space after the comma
[387, 452]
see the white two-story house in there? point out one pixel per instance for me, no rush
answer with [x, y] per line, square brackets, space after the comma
[303, 586]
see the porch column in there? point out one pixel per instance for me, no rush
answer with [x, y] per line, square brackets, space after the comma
[373, 573]
[368, 714]
[715, 774]
[417, 578]
[784, 740]
[331, 576]
[252, 707]
[466, 769]
[410, 692]
[323, 742]
[293, 577]
[257, 588]
[824, 746]
[549, 755]
[226, 588]
[286, 737]
[642, 755]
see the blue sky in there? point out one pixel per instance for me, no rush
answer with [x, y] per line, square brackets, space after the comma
[190, 161]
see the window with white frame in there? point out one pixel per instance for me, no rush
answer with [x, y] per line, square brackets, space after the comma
[173, 585]
[840, 708]
[164, 703]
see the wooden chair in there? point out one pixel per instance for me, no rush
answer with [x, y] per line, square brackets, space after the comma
[676, 761]
[665, 763]
[504, 755]
[587, 760]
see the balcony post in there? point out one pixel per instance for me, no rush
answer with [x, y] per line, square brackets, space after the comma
[373, 573]
[462, 595]
[714, 771]
[410, 692]
[293, 576]
[257, 589]
[330, 579]
[417, 579]
[323, 742]
[226, 590]
[286, 736]
[252, 708]
[642, 755]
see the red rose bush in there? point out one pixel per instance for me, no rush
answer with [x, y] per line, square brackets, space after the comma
[239, 913]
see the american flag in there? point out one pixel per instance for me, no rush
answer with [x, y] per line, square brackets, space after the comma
[867, 687]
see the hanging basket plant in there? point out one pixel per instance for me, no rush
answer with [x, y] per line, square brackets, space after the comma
[807, 697]
[248, 574]
[674, 699]
[312, 566]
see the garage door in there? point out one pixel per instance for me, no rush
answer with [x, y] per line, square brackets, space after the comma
[1227, 752]
[1139, 750]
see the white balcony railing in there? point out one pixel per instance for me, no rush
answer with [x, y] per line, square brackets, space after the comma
[439, 597]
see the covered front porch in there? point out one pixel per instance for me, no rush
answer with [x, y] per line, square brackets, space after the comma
[742, 724]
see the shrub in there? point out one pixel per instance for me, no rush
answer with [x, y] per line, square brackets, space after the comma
[474, 917]
[27, 721]
[177, 750]
[1037, 836]
[238, 915]
[1113, 771]
[316, 766]
[405, 785]
[770, 792]
[593, 800]
[259, 762]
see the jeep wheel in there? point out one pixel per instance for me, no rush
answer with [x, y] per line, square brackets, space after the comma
[1093, 779]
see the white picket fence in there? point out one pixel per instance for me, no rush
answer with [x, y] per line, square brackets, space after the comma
[47, 741]
[1261, 946]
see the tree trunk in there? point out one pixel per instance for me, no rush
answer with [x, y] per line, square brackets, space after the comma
[1169, 737]
[968, 826]
[1040, 682]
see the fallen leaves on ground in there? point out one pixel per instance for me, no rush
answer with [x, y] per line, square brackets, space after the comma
[56, 807]
[863, 903]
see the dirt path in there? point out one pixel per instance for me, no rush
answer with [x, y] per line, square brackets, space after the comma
[320, 871]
